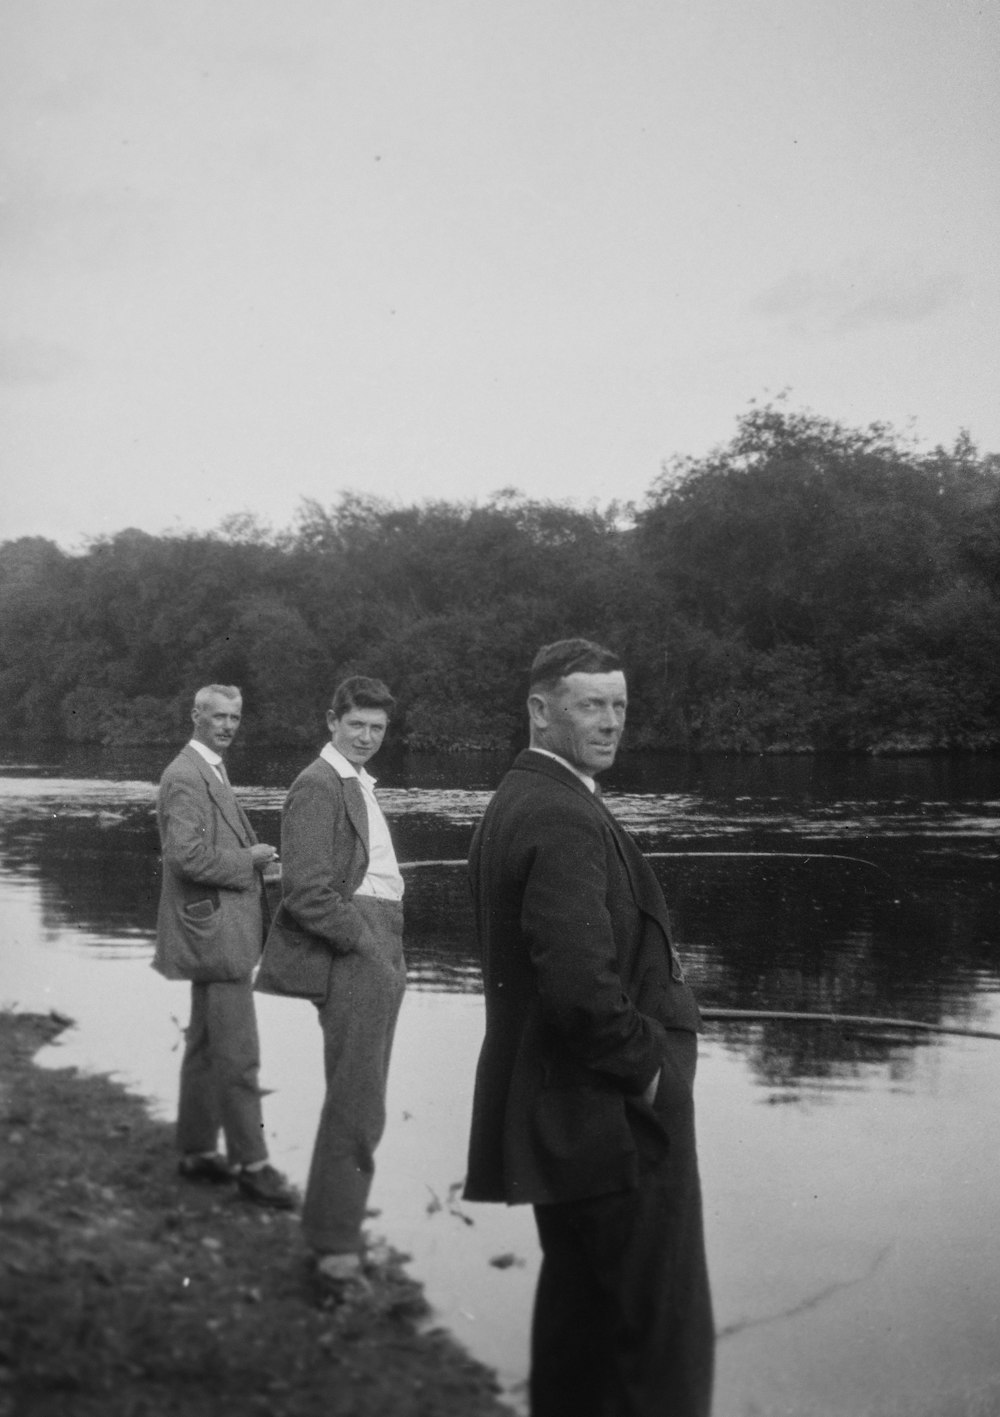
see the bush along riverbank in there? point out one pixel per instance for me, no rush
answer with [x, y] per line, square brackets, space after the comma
[128, 1292]
[807, 587]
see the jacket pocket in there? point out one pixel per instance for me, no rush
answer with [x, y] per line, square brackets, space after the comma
[304, 974]
[667, 1000]
[201, 918]
[581, 1141]
[294, 963]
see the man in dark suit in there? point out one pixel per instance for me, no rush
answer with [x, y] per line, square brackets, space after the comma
[583, 1101]
[337, 939]
[210, 930]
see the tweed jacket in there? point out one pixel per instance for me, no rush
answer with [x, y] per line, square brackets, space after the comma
[583, 993]
[209, 926]
[324, 855]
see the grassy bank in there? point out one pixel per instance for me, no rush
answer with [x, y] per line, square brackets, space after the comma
[127, 1292]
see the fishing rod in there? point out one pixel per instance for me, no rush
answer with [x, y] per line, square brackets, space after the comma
[667, 855]
[417, 865]
[662, 856]
[786, 855]
[786, 1015]
[853, 1020]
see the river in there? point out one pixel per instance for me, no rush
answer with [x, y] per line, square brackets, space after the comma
[851, 1173]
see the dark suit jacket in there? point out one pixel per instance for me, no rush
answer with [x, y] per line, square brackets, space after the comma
[583, 992]
[324, 855]
[209, 926]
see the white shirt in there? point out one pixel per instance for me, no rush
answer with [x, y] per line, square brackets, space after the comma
[213, 759]
[382, 878]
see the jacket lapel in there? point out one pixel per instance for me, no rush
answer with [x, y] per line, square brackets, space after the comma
[225, 799]
[645, 888]
[357, 812]
[354, 805]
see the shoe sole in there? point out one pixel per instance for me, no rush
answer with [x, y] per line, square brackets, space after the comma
[206, 1178]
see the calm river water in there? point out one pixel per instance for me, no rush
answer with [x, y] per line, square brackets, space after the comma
[851, 1174]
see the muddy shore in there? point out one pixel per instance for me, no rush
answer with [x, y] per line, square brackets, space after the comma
[128, 1292]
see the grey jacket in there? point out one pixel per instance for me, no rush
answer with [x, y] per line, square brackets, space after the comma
[324, 855]
[209, 926]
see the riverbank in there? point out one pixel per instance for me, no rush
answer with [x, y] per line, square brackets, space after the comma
[127, 1292]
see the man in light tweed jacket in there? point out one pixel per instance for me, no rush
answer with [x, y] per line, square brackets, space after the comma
[209, 930]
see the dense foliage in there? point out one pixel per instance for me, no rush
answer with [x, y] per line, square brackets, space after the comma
[807, 586]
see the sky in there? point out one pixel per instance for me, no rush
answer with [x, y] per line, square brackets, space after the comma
[254, 252]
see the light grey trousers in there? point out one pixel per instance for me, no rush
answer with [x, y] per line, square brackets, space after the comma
[358, 1019]
[219, 1074]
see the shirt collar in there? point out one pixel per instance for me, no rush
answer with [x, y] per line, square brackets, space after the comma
[588, 782]
[212, 758]
[343, 768]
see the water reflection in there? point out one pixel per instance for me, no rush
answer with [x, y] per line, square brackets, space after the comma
[877, 902]
[847, 904]
[849, 1197]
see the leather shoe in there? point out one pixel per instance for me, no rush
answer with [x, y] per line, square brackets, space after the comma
[341, 1286]
[214, 1169]
[266, 1186]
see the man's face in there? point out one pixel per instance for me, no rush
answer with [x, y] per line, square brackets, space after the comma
[358, 733]
[216, 722]
[582, 719]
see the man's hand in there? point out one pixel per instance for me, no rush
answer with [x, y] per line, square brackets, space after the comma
[262, 855]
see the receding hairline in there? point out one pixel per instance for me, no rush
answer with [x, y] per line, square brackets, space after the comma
[557, 661]
[556, 690]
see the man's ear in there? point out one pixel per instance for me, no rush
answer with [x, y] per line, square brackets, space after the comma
[538, 710]
[331, 719]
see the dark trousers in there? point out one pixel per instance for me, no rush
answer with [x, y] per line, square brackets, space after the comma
[219, 1074]
[623, 1315]
[358, 1019]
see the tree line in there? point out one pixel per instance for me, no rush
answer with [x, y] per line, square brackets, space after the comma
[805, 587]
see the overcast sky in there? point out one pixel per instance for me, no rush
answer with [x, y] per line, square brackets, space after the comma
[260, 250]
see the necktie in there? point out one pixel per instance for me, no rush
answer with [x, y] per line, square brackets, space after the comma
[220, 768]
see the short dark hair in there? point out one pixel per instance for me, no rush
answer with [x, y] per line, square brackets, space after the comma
[577, 656]
[361, 692]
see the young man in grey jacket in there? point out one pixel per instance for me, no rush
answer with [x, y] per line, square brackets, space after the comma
[337, 938]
